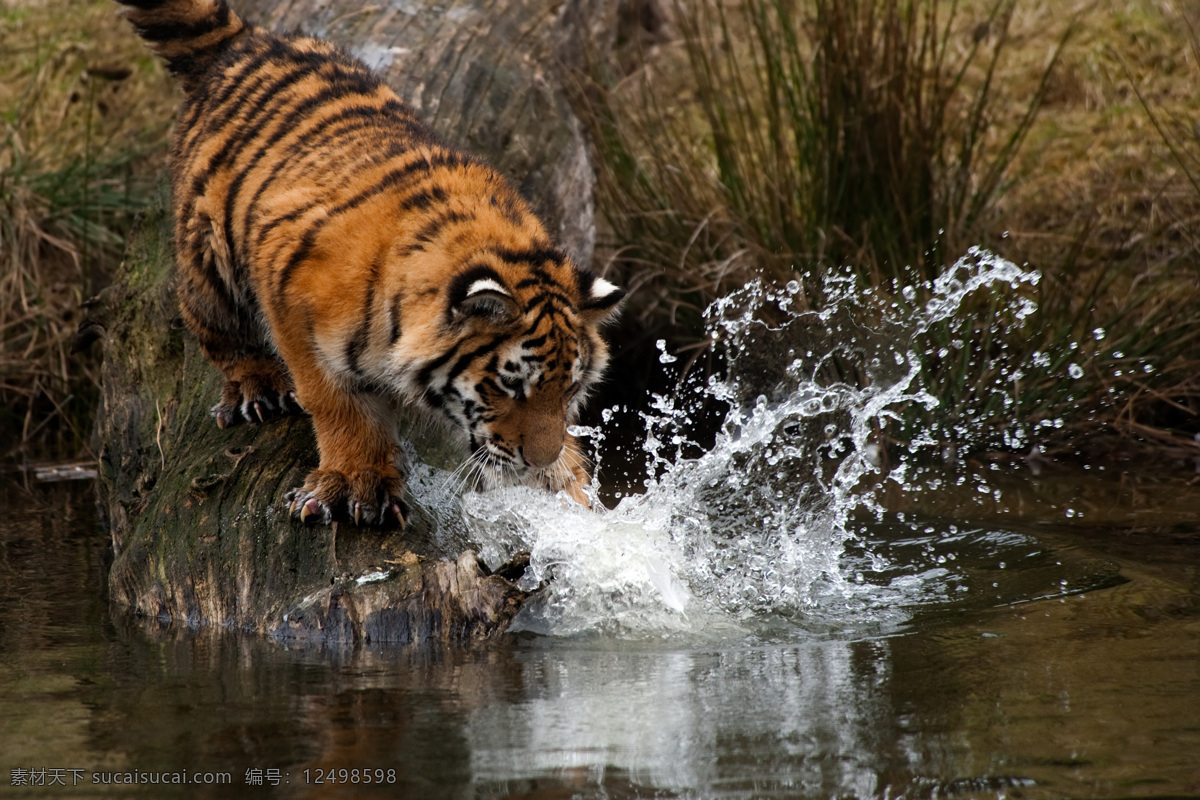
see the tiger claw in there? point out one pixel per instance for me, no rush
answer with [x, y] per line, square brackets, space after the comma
[310, 508]
[364, 500]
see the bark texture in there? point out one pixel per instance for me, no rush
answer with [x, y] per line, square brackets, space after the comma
[195, 512]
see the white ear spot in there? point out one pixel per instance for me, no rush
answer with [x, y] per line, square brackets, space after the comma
[602, 289]
[602, 296]
[486, 285]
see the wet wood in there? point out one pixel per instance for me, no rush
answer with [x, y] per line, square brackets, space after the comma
[198, 526]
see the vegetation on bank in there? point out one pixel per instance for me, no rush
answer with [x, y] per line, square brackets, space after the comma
[84, 112]
[880, 139]
[787, 139]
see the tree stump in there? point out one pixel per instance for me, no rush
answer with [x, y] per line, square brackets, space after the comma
[195, 512]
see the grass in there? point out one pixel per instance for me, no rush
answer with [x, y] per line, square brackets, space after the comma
[83, 118]
[785, 139]
[880, 139]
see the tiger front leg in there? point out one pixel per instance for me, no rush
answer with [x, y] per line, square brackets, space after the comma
[362, 474]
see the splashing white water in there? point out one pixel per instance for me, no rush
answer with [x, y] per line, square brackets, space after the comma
[757, 525]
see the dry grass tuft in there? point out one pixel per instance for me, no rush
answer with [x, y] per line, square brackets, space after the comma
[83, 120]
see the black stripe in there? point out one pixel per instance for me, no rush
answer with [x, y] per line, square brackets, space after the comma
[530, 344]
[420, 199]
[354, 345]
[534, 256]
[427, 371]
[307, 240]
[545, 310]
[262, 113]
[393, 178]
[549, 296]
[395, 309]
[423, 199]
[241, 60]
[431, 229]
[361, 337]
[179, 31]
[204, 270]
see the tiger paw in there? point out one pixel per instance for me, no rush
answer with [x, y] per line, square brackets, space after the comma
[365, 497]
[255, 399]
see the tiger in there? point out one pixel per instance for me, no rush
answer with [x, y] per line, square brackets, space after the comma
[336, 258]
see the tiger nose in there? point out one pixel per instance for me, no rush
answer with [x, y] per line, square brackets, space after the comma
[541, 445]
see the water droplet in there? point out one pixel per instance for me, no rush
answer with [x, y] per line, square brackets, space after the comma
[1075, 371]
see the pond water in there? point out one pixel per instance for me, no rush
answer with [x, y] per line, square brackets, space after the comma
[794, 605]
[1015, 687]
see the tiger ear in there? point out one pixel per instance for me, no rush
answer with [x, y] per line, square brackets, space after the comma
[482, 297]
[599, 297]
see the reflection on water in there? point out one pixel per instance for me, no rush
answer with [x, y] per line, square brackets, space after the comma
[806, 718]
[1091, 694]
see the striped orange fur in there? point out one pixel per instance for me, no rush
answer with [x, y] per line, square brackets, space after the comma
[333, 253]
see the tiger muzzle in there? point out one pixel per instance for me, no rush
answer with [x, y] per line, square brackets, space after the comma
[542, 444]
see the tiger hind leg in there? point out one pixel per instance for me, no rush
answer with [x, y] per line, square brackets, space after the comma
[258, 385]
[257, 388]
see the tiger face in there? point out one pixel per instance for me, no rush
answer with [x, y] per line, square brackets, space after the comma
[526, 354]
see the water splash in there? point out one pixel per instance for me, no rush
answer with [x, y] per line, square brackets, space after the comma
[758, 526]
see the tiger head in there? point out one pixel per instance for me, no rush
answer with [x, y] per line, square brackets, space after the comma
[526, 326]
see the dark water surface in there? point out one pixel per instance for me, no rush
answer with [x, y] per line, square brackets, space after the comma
[1091, 691]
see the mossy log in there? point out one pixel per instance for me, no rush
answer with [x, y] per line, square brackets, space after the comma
[196, 516]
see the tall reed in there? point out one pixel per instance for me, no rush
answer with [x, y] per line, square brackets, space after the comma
[858, 133]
